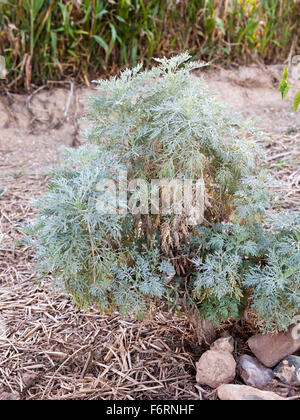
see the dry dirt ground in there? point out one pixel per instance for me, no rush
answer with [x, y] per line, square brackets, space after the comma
[48, 348]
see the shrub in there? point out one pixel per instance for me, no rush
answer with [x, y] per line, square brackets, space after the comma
[107, 250]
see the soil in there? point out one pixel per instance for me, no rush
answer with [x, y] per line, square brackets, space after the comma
[49, 349]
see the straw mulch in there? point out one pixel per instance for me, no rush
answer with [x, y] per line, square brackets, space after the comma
[282, 159]
[49, 349]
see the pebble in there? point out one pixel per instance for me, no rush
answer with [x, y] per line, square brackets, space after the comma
[288, 371]
[231, 392]
[223, 344]
[215, 368]
[254, 373]
[270, 349]
[217, 365]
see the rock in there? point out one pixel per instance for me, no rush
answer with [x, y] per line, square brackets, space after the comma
[253, 372]
[272, 348]
[296, 332]
[244, 393]
[288, 371]
[215, 368]
[223, 344]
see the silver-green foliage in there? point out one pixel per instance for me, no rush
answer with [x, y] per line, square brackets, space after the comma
[240, 264]
[165, 123]
[86, 252]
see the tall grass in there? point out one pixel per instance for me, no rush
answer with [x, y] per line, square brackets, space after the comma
[52, 39]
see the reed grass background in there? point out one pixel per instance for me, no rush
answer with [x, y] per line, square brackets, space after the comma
[50, 40]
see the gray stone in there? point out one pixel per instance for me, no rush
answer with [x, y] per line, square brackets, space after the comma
[253, 372]
[245, 393]
[270, 349]
[215, 368]
[288, 371]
